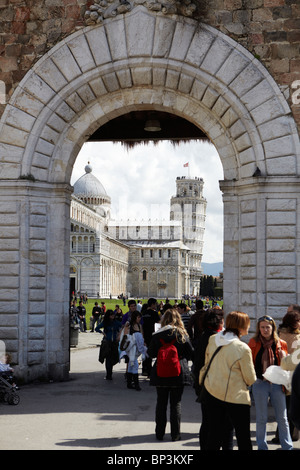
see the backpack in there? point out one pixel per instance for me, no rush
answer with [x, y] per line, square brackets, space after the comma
[168, 364]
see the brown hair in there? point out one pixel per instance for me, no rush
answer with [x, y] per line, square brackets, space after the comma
[290, 321]
[237, 321]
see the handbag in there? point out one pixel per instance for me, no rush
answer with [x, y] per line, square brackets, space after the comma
[124, 342]
[203, 392]
[104, 350]
[188, 378]
[114, 352]
[276, 375]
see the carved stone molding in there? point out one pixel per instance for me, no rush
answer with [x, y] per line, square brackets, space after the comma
[102, 9]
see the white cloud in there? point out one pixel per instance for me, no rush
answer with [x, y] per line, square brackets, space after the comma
[142, 180]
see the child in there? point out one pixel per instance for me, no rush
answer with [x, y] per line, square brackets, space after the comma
[6, 370]
[133, 333]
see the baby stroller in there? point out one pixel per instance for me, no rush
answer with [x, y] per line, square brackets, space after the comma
[7, 390]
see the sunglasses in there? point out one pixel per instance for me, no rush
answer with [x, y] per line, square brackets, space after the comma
[265, 317]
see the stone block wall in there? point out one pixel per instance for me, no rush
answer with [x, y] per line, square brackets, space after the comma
[262, 248]
[269, 29]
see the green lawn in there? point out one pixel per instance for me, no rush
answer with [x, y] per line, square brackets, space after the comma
[110, 304]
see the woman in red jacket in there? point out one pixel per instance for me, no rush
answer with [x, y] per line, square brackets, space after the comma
[267, 350]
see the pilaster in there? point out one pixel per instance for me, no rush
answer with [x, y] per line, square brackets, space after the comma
[34, 295]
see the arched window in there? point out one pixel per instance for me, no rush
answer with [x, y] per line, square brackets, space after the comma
[144, 275]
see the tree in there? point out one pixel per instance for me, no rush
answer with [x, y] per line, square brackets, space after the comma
[207, 286]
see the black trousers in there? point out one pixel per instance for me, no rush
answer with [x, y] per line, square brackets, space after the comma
[147, 366]
[220, 417]
[204, 436]
[163, 396]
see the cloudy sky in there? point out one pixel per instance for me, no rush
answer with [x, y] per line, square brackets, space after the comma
[141, 181]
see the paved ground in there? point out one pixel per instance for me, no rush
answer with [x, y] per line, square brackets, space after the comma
[89, 413]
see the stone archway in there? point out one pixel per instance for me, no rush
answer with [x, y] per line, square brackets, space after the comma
[142, 60]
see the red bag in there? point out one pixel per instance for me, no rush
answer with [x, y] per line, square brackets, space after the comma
[168, 364]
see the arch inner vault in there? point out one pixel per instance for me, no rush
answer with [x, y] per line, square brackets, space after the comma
[142, 60]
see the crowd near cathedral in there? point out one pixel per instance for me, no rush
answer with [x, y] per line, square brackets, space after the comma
[138, 258]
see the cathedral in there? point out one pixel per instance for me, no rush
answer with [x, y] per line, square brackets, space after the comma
[136, 258]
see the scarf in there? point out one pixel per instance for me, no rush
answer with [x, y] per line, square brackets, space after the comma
[267, 355]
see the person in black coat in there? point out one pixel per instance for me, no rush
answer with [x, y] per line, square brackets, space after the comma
[213, 322]
[195, 325]
[150, 316]
[294, 410]
[172, 330]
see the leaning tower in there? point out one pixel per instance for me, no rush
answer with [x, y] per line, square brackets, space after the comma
[189, 207]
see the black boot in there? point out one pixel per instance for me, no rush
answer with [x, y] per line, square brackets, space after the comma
[136, 382]
[129, 380]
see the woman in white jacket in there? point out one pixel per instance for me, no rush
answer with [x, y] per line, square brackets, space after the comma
[231, 372]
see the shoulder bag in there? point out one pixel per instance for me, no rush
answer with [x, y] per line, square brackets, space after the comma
[203, 392]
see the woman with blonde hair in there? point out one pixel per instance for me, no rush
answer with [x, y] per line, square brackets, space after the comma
[228, 373]
[267, 350]
[173, 318]
[171, 346]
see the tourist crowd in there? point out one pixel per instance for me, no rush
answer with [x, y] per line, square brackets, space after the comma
[204, 348]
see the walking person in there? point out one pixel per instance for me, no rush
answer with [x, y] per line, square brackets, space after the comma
[231, 372]
[133, 335]
[267, 350]
[111, 328]
[168, 377]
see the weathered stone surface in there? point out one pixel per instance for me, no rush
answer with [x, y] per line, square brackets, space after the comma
[203, 71]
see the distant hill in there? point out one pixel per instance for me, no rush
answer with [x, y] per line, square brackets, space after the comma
[212, 269]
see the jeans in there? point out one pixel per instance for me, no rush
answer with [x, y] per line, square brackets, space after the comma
[95, 321]
[83, 324]
[133, 367]
[163, 394]
[262, 391]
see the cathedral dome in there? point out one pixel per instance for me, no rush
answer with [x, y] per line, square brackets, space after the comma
[89, 189]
